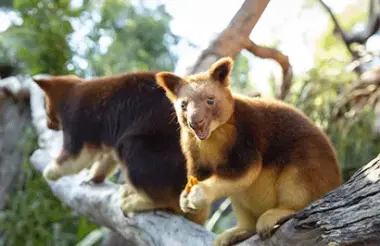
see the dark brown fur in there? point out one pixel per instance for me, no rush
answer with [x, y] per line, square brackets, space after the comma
[127, 113]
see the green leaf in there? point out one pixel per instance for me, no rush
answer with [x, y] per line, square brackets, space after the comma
[66, 27]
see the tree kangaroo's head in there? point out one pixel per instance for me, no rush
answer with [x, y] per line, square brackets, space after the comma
[55, 87]
[202, 101]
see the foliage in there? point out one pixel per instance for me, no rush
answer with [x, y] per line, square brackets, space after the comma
[34, 216]
[40, 42]
[240, 79]
[93, 39]
[316, 93]
[142, 39]
[5, 4]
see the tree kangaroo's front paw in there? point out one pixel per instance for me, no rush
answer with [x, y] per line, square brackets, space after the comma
[268, 231]
[232, 236]
[265, 228]
[184, 203]
[52, 171]
[195, 200]
[265, 233]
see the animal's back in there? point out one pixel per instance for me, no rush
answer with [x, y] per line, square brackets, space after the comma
[104, 108]
[281, 128]
[286, 138]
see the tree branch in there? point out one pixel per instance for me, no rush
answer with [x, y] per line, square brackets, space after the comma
[350, 213]
[364, 92]
[371, 28]
[283, 60]
[235, 37]
[231, 41]
[339, 29]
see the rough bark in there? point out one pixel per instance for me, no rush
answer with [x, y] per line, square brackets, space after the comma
[112, 238]
[350, 213]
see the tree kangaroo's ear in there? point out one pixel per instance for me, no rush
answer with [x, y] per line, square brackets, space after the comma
[56, 83]
[221, 70]
[170, 82]
[44, 83]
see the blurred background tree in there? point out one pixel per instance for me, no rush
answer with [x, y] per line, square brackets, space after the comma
[92, 38]
[96, 38]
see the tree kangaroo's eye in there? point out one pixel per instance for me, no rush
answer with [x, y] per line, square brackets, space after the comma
[210, 101]
[183, 105]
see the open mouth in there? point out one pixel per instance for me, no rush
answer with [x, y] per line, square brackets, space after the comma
[202, 133]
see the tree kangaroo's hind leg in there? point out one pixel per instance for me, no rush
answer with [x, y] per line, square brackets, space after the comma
[67, 163]
[293, 194]
[103, 167]
[138, 160]
[135, 201]
[153, 177]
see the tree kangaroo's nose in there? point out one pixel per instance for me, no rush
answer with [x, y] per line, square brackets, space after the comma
[195, 122]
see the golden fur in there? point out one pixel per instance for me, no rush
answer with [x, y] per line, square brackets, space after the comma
[267, 156]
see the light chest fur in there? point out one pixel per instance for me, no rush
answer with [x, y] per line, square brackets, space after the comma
[214, 150]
